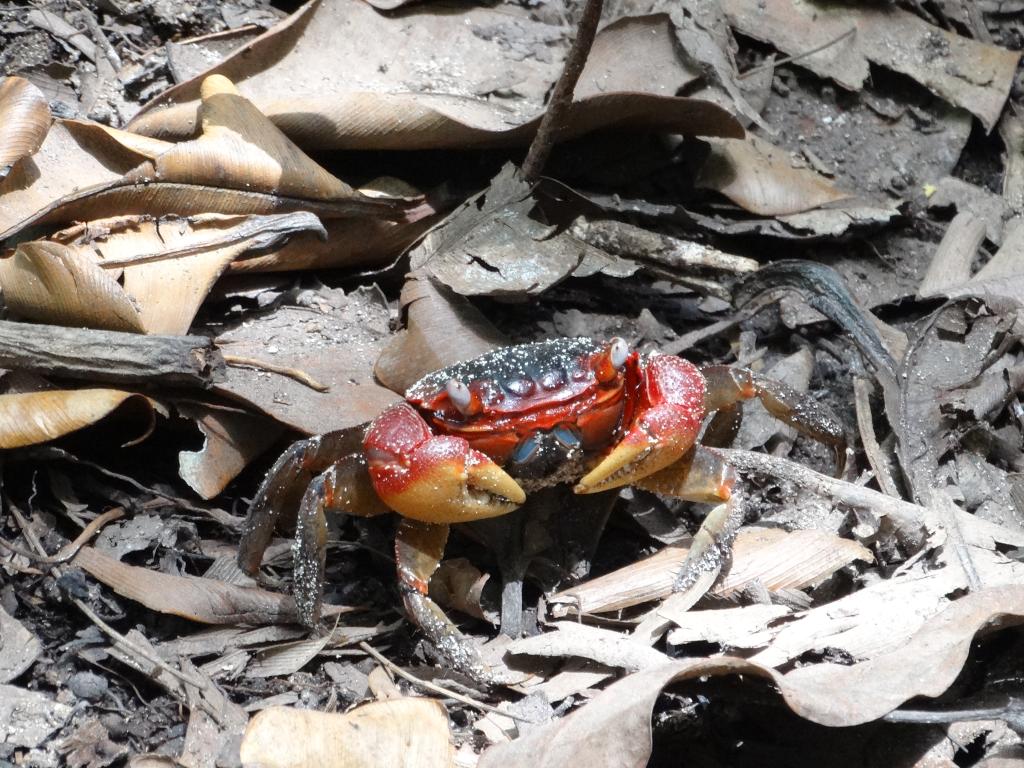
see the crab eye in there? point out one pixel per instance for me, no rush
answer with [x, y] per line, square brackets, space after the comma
[461, 397]
[618, 353]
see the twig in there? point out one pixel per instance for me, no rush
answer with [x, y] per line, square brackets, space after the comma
[561, 97]
[237, 361]
[798, 56]
[434, 687]
[70, 549]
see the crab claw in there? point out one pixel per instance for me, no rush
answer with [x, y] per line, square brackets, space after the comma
[432, 478]
[664, 427]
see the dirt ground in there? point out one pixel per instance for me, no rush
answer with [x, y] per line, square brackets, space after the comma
[911, 161]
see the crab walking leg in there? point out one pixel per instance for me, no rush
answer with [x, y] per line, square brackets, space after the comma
[727, 386]
[704, 475]
[281, 491]
[344, 487]
[418, 550]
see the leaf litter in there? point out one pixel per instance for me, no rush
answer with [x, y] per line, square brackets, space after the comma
[895, 596]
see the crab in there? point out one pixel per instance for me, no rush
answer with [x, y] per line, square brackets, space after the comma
[470, 441]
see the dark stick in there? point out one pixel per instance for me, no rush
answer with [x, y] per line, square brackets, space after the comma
[110, 356]
[561, 97]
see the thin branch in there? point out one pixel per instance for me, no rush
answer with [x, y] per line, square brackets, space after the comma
[69, 550]
[237, 361]
[798, 56]
[434, 687]
[561, 97]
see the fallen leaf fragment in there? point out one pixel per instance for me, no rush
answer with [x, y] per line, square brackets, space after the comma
[191, 597]
[27, 718]
[965, 72]
[19, 648]
[397, 733]
[762, 179]
[478, 250]
[614, 729]
[36, 417]
[442, 328]
[603, 646]
[232, 440]
[24, 120]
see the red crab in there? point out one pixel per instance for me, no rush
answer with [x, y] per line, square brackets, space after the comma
[472, 439]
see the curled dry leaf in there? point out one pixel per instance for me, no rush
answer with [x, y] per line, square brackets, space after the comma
[403, 733]
[374, 91]
[309, 366]
[761, 178]
[135, 273]
[191, 597]
[24, 121]
[967, 73]
[231, 440]
[239, 164]
[614, 729]
[442, 328]
[36, 417]
[350, 243]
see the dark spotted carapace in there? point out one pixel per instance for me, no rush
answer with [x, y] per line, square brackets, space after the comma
[564, 386]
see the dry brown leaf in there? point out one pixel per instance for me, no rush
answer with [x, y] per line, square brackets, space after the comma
[279, 357]
[232, 440]
[36, 417]
[614, 729]
[762, 179]
[442, 328]
[770, 556]
[134, 273]
[240, 164]
[967, 73]
[191, 597]
[398, 733]
[611, 649]
[24, 120]
[375, 90]
[458, 584]
[355, 243]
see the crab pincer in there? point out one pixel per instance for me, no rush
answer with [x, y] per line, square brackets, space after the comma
[434, 478]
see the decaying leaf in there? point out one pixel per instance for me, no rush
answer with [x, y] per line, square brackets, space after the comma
[232, 440]
[614, 729]
[191, 597]
[403, 732]
[481, 248]
[24, 121]
[308, 363]
[27, 718]
[375, 91]
[239, 164]
[967, 73]
[442, 328]
[135, 273]
[36, 417]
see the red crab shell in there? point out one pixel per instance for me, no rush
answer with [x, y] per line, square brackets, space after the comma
[531, 387]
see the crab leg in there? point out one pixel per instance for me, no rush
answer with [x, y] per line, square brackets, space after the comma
[703, 475]
[728, 386]
[281, 491]
[418, 550]
[344, 487]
